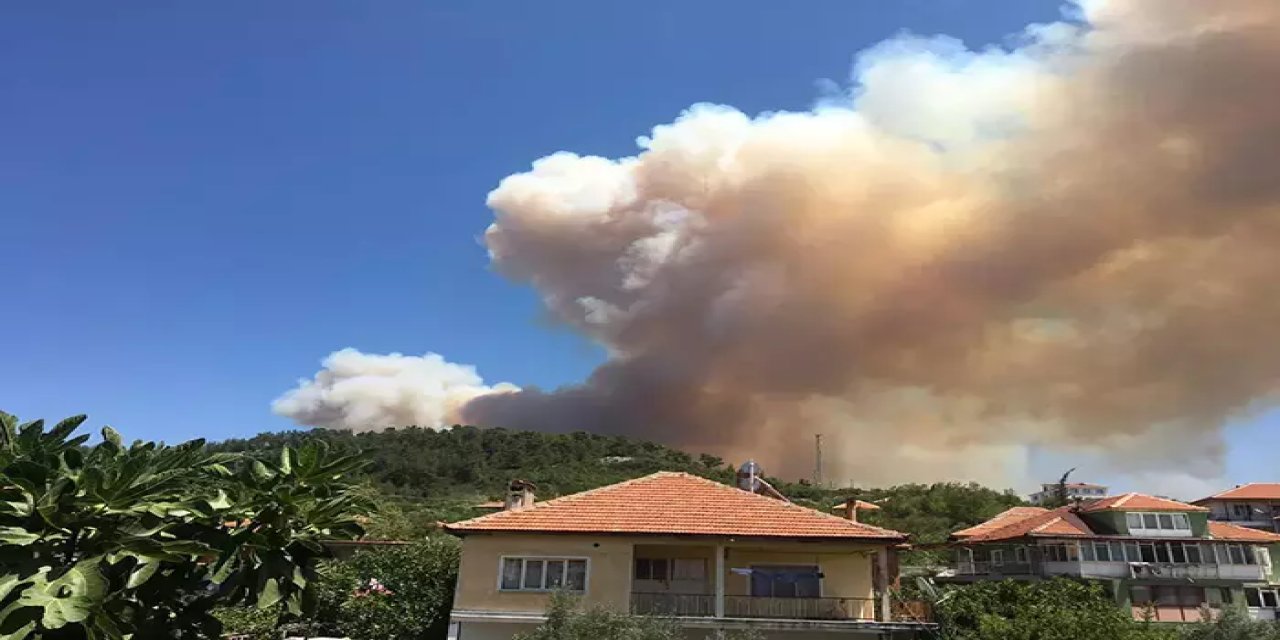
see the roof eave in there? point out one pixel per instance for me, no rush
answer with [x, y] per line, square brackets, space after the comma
[898, 539]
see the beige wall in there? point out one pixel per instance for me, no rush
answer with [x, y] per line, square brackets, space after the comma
[608, 570]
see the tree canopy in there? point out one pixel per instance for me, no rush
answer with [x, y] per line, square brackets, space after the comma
[115, 541]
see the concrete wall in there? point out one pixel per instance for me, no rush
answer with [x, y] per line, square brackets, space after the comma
[608, 571]
[491, 630]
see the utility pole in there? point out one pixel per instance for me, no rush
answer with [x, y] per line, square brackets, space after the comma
[817, 462]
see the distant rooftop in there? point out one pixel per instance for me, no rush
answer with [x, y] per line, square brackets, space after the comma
[1251, 491]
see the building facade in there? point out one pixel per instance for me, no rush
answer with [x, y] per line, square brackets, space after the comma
[1075, 491]
[710, 555]
[1255, 505]
[1159, 558]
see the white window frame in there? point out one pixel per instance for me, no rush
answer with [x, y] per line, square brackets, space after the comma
[1173, 531]
[524, 559]
[1022, 555]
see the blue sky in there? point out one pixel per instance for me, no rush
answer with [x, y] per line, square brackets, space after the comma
[201, 200]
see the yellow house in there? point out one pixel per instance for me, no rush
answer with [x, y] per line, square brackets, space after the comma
[673, 544]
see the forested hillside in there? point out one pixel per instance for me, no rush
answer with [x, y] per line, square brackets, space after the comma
[423, 475]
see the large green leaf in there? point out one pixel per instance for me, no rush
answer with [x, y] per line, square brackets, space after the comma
[18, 536]
[270, 594]
[63, 429]
[68, 598]
[143, 572]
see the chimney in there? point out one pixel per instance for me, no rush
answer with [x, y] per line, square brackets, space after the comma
[851, 507]
[851, 510]
[519, 495]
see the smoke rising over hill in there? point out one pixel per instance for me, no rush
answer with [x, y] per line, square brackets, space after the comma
[1068, 244]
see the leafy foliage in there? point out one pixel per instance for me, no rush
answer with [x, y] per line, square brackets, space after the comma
[417, 591]
[111, 541]
[1233, 623]
[1056, 609]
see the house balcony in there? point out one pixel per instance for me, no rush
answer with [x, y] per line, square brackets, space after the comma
[773, 586]
[755, 607]
[1095, 569]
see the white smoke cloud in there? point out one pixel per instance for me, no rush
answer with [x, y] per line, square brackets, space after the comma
[360, 391]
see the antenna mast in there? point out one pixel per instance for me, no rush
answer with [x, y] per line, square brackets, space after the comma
[817, 461]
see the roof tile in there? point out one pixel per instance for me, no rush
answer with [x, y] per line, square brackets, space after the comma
[1251, 491]
[670, 503]
[1137, 502]
[1236, 533]
[1056, 523]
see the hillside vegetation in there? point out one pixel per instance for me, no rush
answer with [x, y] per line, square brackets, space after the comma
[424, 475]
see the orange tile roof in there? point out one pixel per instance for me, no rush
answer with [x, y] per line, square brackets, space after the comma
[1137, 502]
[1006, 517]
[1025, 522]
[670, 503]
[1251, 491]
[862, 505]
[1236, 533]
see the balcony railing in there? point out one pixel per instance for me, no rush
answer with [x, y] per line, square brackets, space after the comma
[704, 605]
[800, 608]
[1000, 568]
[673, 604]
[1098, 569]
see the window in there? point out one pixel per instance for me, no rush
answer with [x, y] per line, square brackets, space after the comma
[785, 582]
[1086, 552]
[1140, 595]
[1162, 552]
[1253, 597]
[1022, 555]
[1237, 554]
[1262, 597]
[997, 557]
[1192, 551]
[543, 574]
[1054, 553]
[1231, 554]
[1131, 552]
[689, 569]
[1147, 551]
[668, 569]
[1117, 552]
[1101, 551]
[1241, 511]
[1167, 524]
[653, 569]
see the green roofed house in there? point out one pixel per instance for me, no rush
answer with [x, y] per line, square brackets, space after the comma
[1158, 557]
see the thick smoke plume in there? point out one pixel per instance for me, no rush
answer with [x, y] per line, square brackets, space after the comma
[1070, 244]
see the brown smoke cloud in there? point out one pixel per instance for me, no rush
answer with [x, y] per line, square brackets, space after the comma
[1071, 244]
